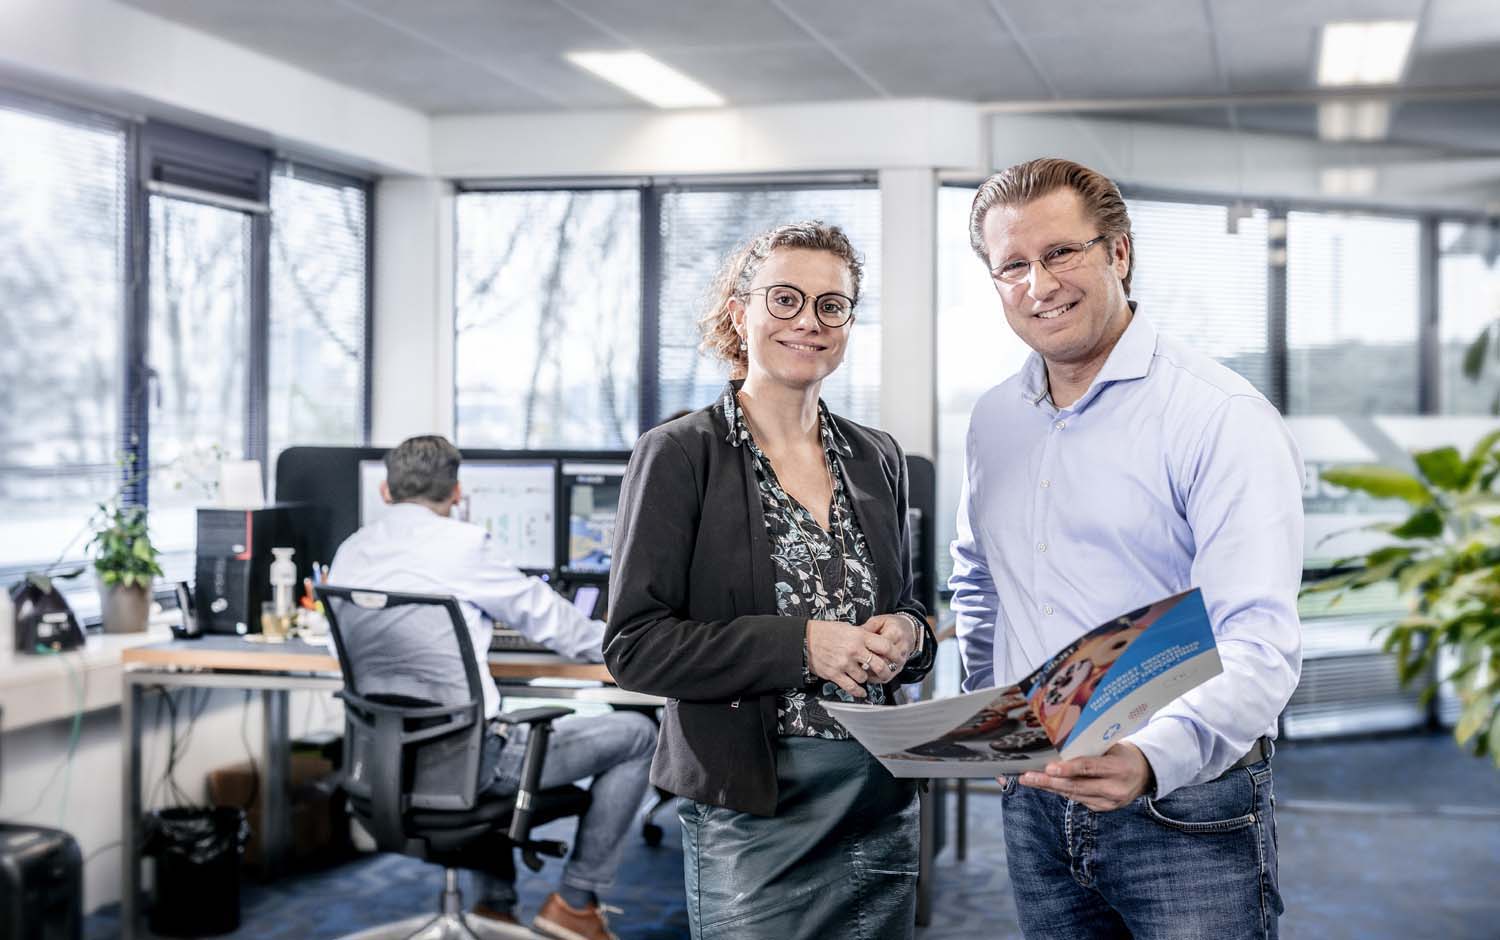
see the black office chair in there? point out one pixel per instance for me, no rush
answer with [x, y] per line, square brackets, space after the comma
[413, 740]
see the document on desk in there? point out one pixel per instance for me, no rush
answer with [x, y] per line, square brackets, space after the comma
[1096, 690]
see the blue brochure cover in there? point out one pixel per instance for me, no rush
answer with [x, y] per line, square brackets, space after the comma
[1096, 690]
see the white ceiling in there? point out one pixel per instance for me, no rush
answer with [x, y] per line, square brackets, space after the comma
[464, 56]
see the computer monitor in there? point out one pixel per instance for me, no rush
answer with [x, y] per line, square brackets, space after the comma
[514, 500]
[591, 493]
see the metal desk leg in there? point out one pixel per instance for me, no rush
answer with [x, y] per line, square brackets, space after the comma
[275, 820]
[926, 828]
[130, 861]
[961, 843]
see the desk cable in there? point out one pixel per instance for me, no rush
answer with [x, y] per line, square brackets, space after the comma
[79, 682]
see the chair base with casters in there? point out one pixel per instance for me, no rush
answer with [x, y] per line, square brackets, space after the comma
[414, 744]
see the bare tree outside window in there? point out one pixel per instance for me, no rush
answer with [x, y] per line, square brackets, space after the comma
[317, 331]
[199, 352]
[62, 302]
[547, 319]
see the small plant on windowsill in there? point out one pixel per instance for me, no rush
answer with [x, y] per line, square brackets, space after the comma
[125, 562]
[1446, 564]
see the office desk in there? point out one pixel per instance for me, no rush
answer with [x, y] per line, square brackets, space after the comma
[275, 670]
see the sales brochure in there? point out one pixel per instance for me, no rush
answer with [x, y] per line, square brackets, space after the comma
[1098, 689]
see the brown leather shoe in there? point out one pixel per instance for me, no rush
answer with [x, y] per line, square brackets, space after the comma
[485, 912]
[561, 922]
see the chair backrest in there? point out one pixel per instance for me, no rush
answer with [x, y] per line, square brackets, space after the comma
[414, 706]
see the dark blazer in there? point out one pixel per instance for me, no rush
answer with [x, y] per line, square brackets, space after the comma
[692, 600]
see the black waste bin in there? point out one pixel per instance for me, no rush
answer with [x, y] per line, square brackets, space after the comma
[197, 853]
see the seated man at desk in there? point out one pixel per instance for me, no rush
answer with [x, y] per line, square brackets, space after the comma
[416, 547]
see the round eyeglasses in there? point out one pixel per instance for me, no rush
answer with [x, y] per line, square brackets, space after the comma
[1056, 260]
[784, 302]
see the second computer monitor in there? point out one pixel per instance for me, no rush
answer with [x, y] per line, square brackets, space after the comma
[591, 493]
[514, 500]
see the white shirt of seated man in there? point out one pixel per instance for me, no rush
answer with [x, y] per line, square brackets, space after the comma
[417, 548]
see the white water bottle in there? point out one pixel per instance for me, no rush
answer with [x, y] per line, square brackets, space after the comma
[283, 580]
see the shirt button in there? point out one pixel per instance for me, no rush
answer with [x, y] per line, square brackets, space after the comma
[1041, 546]
[1046, 483]
[1047, 609]
[1060, 425]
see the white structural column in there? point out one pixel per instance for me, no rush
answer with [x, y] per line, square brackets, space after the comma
[908, 368]
[413, 341]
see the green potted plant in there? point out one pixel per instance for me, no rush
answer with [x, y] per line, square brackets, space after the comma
[125, 562]
[1445, 561]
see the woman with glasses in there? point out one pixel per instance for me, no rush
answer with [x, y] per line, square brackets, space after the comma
[761, 568]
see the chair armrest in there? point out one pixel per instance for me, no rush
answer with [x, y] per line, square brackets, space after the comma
[531, 716]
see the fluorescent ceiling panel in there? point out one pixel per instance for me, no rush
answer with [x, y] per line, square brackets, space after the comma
[647, 79]
[1348, 180]
[1367, 53]
[1354, 120]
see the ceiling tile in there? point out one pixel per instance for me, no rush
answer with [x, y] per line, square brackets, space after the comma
[1096, 65]
[926, 27]
[656, 25]
[972, 68]
[1232, 15]
[1270, 60]
[804, 72]
[1104, 19]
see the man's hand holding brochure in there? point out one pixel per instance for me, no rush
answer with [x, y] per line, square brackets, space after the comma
[1095, 691]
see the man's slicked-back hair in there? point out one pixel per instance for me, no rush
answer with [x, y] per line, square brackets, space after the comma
[423, 468]
[1029, 181]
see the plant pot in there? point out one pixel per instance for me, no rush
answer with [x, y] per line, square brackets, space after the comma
[125, 608]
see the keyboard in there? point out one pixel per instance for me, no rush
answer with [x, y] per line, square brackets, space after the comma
[506, 640]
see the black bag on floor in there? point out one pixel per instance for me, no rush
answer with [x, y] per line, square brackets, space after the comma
[197, 853]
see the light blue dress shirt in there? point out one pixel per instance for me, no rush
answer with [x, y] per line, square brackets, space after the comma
[411, 549]
[1170, 472]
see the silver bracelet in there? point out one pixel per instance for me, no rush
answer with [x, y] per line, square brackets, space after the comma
[916, 625]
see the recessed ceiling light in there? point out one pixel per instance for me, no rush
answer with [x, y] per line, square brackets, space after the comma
[1354, 120]
[648, 79]
[1368, 53]
[1347, 180]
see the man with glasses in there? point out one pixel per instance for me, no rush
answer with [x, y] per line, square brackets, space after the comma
[1117, 467]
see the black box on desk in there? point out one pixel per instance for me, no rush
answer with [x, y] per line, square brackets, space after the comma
[41, 884]
[233, 570]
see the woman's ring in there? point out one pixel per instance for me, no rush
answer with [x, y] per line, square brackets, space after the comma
[866, 664]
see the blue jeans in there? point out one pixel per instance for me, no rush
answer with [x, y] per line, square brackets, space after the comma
[615, 749]
[1199, 862]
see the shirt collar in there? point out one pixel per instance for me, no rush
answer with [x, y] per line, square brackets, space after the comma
[739, 430]
[1130, 359]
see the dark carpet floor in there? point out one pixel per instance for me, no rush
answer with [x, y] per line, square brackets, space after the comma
[1394, 838]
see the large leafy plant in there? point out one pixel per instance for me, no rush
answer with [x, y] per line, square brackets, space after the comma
[122, 550]
[1445, 560]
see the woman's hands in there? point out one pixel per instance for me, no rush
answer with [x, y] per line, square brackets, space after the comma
[849, 655]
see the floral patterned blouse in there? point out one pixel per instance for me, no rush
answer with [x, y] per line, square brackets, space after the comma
[819, 575]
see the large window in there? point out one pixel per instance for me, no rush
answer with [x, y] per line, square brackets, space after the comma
[547, 313]
[111, 392]
[561, 341]
[1352, 314]
[199, 317]
[319, 309]
[1469, 299]
[62, 308]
